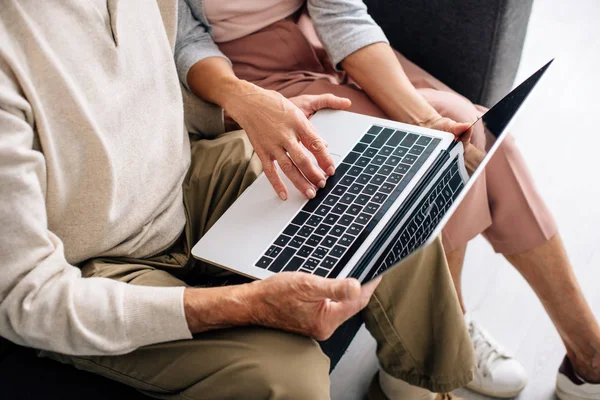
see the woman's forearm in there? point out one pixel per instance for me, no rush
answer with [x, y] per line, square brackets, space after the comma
[377, 70]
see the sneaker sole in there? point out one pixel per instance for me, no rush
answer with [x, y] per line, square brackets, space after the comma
[501, 395]
[567, 396]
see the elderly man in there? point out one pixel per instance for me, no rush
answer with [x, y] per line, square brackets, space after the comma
[103, 194]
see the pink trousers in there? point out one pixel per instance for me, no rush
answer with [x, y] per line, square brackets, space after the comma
[503, 205]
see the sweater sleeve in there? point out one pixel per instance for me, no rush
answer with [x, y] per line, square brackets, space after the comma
[344, 26]
[44, 301]
[194, 41]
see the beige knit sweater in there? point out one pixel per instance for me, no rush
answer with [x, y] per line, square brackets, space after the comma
[93, 151]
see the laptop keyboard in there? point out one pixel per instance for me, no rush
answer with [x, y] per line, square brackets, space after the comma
[326, 233]
[423, 220]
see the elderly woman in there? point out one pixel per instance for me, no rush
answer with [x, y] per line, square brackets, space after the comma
[251, 57]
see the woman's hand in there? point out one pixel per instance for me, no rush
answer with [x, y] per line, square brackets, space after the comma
[280, 131]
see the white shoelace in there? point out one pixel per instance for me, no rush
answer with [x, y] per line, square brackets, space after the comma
[487, 350]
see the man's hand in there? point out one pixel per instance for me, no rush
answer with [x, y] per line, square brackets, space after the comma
[459, 129]
[292, 301]
[280, 131]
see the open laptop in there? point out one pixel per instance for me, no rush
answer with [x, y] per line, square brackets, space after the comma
[395, 187]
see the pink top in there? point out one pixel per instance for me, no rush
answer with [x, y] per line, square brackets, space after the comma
[233, 19]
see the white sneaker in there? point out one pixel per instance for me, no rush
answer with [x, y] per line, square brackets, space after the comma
[569, 386]
[498, 374]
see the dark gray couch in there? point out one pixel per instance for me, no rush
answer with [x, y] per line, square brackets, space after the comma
[474, 46]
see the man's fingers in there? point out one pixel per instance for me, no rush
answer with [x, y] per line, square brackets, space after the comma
[459, 128]
[273, 176]
[293, 173]
[305, 164]
[316, 145]
[366, 291]
[338, 290]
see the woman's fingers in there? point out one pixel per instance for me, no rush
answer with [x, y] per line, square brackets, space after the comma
[305, 164]
[273, 176]
[317, 146]
[295, 176]
[330, 101]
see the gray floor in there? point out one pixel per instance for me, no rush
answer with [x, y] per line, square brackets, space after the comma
[559, 135]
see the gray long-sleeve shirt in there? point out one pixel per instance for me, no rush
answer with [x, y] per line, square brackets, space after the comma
[343, 26]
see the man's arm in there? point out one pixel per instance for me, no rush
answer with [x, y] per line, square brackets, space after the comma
[44, 301]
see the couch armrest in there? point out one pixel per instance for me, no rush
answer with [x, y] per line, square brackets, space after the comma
[473, 46]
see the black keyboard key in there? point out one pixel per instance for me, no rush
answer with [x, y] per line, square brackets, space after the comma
[354, 171]
[305, 231]
[371, 208]
[386, 151]
[337, 251]
[394, 178]
[340, 208]
[348, 198]
[294, 264]
[371, 189]
[354, 209]
[382, 138]
[363, 219]
[385, 170]
[363, 161]
[331, 219]
[367, 138]
[359, 148]
[331, 200]
[314, 240]
[323, 229]
[362, 199]
[347, 180]
[409, 159]
[417, 150]
[393, 161]
[378, 160]
[455, 182]
[339, 190]
[351, 157]
[329, 241]
[282, 240]
[321, 272]
[323, 210]
[424, 141]
[354, 229]
[379, 198]
[387, 188]
[311, 264]
[402, 168]
[273, 251]
[363, 179]
[440, 202]
[264, 262]
[355, 189]
[447, 193]
[314, 220]
[378, 180]
[328, 263]
[371, 169]
[409, 140]
[371, 152]
[346, 240]
[337, 231]
[304, 251]
[291, 229]
[400, 152]
[320, 252]
[301, 218]
[396, 138]
[346, 220]
[374, 130]
[296, 242]
[283, 259]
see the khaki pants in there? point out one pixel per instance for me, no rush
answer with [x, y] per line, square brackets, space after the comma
[414, 314]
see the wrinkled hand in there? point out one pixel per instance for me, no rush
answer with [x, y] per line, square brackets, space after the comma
[308, 304]
[280, 131]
